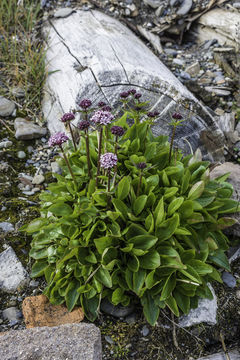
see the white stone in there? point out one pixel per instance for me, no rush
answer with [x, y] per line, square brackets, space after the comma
[6, 226]
[62, 13]
[12, 273]
[205, 312]
[26, 130]
[233, 355]
[21, 154]
[11, 313]
[38, 179]
[218, 91]
[5, 144]
[185, 7]
[193, 69]
[153, 3]
[6, 107]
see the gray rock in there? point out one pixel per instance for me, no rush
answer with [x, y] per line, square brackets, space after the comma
[7, 107]
[205, 312]
[38, 179]
[218, 91]
[56, 168]
[235, 255]
[116, 311]
[159, 10]
[11, 314]
[233, 355]
[21, 154]
[12, 273]
[193, 69]
[6, 226]
[236, 5]
[34, 283]
[229, 279]
[169, 51]
[26, 130]
[62, 13]
[5, 144]
[185, 7]
[70, 341]
[184, 75]
[145, 331]
[153, 3]
[179, 62]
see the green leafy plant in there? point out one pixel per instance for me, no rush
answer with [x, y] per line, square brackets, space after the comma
[142, 223]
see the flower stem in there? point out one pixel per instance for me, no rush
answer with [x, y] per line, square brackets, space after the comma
[115, 167]
[139, 184]
[88, 153]
[171, 145]
[74, 142]
[108, 187]
[69, 167]
[99, 153]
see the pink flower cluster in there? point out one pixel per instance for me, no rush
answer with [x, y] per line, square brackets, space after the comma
[108, 160]
[102, 117]
[57, 139]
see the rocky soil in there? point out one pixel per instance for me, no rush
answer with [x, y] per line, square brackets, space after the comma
[27, 163]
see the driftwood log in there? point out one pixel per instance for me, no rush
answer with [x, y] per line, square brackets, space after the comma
[91, 55]
[219, 24]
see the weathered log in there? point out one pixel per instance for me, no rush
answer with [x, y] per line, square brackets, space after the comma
[219, 24]
[91, 55]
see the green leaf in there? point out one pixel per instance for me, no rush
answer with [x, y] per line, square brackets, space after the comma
[216, 275]
[183, 301]
[149, 223]
[168, 287]
[185, 181]
[150, 310]
[196, 190]
[219, 258]
[72, 294]
[171, 303]
[191, 274]
[143, 242]
[167, 228]
[102, 243]
[200, 267]
[90, 307]
[60, 209]
[35, 225]
[150, 280]
[138, 280]
[104, 277]
[133, 263]
[139, 204]
[121, 208]
[175, 205]
[159, 214]
[151, 260]
[117, 296]
[38, 268]
[123, 188]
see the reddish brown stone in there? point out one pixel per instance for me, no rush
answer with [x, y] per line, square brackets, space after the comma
[38, 312]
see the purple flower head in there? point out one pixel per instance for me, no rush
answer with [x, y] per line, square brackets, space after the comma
[177, 116]
[102, 117]
[106, 108]
[137, 95]
[85, 103]
[67, 117]
[117, 130]
[108, 160]
[83, 125]
[132, 91]
[141, 165]
[152, 114]
[124, 94]
[57, 139]
[101, 103]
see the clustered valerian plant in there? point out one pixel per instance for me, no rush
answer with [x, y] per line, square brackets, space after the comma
[130, 219]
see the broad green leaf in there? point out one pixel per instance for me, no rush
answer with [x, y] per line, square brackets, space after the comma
[72, 294]
[225, 222]
[129, 278]
[186, 209]
[215, 275]
[196, 190]
[167, 228]
[150, 261]
[168, 287]
[150, 310]
[117, 296]
[133, 263]
[200, 267]
[150, 280]
[39, 254]
[143, 242]
[149, 223]
[39, 268]
[183, 301]
[61, 209]
[219, 258]
[159, 214]
[35, 225]
[150, 151]
[139, 204]
[175, 205]
[123, 188]
[185, 181]
[138, 280]
[121, 208]
[103, 243]
[104, 277]
[182, 231]
[171, 303]
[191, 274]
[90, 307]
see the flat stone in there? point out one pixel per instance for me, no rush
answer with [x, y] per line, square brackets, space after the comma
[7, 107]
[26, 130]
[185, 7]
[205, 312]
[153, 3]
[21, 154]
[65, 342]
[38, 179]
[12, 273]
[11, 314]
[116, 311]
[179, 62]
[62, 13]
[6, 226]
[233, 355]
[193, 69]
[38, 311]
[229, 279]
[5, 144]
[217, 91]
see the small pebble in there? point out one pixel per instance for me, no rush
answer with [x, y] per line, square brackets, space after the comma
[21, 154]
[38, 179]
[229, 279]
[145, 330]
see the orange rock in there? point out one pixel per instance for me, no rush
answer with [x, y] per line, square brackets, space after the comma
[38, 312]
